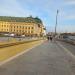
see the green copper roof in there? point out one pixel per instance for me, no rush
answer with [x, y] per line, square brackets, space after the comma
[20, 19]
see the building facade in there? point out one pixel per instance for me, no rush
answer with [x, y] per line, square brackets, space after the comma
[18, 26]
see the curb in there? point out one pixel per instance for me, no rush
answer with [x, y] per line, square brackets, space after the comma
[17, 43]
[70, 42]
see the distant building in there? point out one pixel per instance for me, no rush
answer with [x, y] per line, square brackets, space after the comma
[27, 26]
[51, 33]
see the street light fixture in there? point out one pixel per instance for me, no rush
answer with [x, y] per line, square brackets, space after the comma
[56, 22]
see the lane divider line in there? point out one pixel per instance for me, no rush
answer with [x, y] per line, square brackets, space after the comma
[67, 50]
[19, 54]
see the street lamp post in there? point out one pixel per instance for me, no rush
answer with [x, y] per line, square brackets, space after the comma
[56, 22]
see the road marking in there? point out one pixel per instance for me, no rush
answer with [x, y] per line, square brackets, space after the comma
[67, 50]
[19, 54]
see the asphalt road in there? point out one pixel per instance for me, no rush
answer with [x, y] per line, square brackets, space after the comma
[50, 58]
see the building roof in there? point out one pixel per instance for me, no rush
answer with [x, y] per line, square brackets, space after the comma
[20, 19]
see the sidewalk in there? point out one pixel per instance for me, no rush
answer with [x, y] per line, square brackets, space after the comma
[48, 58]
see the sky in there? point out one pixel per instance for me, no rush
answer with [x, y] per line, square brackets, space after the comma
[44, 9]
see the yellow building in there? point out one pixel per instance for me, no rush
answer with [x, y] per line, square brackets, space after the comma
[27, 26]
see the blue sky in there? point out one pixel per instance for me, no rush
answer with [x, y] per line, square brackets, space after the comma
[44, 9]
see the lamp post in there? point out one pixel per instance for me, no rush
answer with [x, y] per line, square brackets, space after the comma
[56, 22]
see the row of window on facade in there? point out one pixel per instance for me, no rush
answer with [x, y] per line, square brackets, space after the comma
[17, 31]
[5, 26]
[22, 27]
[18, 27]
[4, 29]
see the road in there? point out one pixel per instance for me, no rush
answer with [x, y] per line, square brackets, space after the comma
[49, 58]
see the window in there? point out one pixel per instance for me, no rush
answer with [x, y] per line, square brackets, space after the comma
[23, 27]
[31, 31]
[32, 27]
[26, 27]
[29, 28]
[11, 29]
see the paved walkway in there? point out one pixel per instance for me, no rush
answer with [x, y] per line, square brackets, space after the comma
[47, 59]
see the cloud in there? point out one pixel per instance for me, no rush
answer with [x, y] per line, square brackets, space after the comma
[66, 28]
[13, 8]
[26, 7]
[70, 2]
[46, 10]
[67, 15]
[70, 17]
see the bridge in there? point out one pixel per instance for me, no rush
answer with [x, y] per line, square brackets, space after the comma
[47, 58]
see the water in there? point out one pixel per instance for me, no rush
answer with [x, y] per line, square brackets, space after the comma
[71, 37]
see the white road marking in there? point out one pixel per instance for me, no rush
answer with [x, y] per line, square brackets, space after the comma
[14, 57]
[67, 50]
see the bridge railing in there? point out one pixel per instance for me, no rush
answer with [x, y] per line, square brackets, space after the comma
[67, 40]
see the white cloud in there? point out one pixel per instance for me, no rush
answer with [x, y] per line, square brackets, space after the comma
[66, 28]
[13, 8]
[45, 9]
[70, 17]
[70, 2]
[65, 15]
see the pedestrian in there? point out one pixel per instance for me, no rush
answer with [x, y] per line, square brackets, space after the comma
[51, 38]
[48, 38]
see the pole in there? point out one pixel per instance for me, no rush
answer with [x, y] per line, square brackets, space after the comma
[56, 22]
